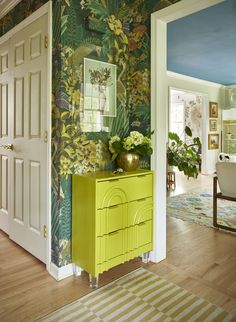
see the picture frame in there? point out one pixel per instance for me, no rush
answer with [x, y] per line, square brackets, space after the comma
[213, 125]
[100, 87]
[213, 109]
[213, 141]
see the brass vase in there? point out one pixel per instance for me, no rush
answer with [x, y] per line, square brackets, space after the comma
[127, 161]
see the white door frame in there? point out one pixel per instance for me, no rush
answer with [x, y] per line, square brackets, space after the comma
[159, 109]
[45, 9]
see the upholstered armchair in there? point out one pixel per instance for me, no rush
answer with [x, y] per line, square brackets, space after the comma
[226, 177]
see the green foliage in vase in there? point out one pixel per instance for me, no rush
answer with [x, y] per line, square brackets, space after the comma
[134, 143]
[184, 156]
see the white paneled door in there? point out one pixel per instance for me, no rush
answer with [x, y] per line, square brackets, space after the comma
[23, 137]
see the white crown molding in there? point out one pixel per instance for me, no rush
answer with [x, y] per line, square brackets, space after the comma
[6, 6]
[193, 79]
[35, 15]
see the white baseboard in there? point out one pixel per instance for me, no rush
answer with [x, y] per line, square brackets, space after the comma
[60, 273]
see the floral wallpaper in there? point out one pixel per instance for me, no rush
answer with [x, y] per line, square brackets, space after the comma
[117, 32]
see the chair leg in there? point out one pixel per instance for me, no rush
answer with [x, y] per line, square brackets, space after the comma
[215, 202]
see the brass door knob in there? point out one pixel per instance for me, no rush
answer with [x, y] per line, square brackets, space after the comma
[8, 147]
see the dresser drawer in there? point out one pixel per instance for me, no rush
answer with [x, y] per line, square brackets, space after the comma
[117, 191]
[115, 244]
[144, 233]
[111, 219]
[140, 187]
[140, 210]
[111, 246]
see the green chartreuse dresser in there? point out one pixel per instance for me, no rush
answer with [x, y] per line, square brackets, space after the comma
[112, 219]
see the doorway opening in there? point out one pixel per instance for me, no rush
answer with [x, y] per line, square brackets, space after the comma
[186, 108]
[159, 109]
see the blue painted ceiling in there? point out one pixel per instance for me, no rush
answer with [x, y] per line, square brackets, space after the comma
[203, 45]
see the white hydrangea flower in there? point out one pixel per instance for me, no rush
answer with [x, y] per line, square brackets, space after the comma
[137, 137]
[83, 4]
[113, 139]
[128, 143]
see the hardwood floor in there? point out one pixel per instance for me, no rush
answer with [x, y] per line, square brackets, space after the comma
[200, 259]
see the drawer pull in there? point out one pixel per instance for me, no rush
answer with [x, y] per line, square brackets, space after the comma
[113, 232]
[140, 200]
[142, 223]
[114, 206]
[142, 176]
[114, 180]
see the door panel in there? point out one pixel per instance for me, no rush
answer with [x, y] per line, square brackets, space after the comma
[24, 189]
[4, 110]
[34, 197]
[35, 45]
[19, 53]
[19, 108]
[4, 62]
[5, 182]
[35, 105]
[19, 190]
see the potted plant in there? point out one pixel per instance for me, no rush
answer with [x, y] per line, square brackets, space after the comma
[127, 151]
[186, 157]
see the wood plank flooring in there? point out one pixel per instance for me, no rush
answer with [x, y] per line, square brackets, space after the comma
[200, 259]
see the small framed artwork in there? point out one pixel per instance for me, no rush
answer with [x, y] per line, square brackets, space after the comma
[213, 141]
[213, 109]
[100, 87]
[213, 125]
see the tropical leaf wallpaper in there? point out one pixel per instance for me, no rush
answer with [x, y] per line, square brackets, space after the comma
[116, 32]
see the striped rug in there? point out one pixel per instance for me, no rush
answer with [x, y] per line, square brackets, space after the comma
[140, 296]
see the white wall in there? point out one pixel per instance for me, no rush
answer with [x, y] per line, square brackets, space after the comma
[212, 92]
[229, 114]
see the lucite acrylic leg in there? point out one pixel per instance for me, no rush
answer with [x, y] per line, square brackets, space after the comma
[93, 281]
[146, 257]
[76, 270]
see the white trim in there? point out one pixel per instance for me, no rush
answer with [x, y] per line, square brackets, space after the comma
[60, 273]
[193, 79]
[190, 91]
[27, 21]
[159, 108]
[7, 6]
[183, 8]
[49, 125]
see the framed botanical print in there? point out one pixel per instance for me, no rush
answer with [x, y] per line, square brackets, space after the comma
[100, 87]
[213, 125]
[213, 109]
[213, 141]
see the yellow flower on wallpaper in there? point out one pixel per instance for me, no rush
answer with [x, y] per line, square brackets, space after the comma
[65, 166]
[75, 97]
[115, 25]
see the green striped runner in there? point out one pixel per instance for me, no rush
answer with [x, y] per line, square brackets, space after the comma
[140, 296]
